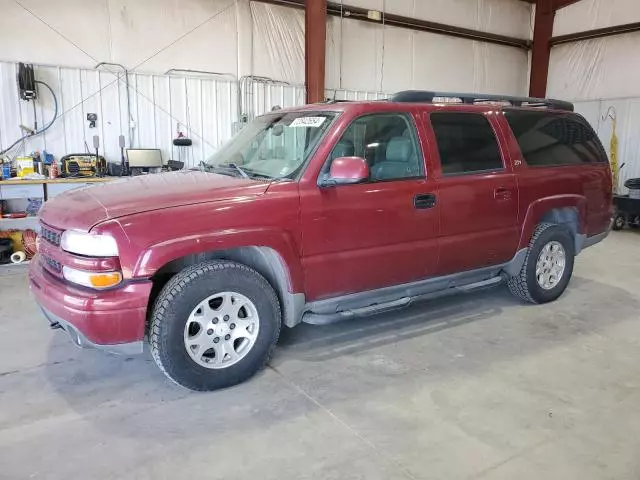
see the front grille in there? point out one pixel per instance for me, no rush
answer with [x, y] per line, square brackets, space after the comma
[50, 235]
[52, 264]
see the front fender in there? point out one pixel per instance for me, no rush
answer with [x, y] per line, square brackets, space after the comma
[543, 206]
[156, 256]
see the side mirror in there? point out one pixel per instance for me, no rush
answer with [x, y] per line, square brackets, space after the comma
[346, 171]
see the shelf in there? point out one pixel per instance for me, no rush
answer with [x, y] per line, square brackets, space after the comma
[17, 181]
[17, 223]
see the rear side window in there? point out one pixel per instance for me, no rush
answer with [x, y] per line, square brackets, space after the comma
[466, 143]
[550, 139]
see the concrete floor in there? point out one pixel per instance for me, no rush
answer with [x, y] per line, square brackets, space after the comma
[477, 386]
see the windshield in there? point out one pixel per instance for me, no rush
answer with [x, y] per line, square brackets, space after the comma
[272, 146]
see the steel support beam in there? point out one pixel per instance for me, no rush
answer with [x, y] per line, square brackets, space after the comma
[542, 41]
[541, 51]
[315, 21]
[596, 33]
[361, 14]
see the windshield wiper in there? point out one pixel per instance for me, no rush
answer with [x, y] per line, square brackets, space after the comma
[237, 169]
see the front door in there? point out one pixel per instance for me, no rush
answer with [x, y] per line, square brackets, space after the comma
[375, 234]
[478, 194]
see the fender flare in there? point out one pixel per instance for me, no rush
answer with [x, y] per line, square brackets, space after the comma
[156, 256]
[539, 208]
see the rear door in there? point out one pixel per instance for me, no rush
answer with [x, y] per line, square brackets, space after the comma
[477, 192]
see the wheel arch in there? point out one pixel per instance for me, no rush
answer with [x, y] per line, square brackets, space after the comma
[265, 260]
[566, 210]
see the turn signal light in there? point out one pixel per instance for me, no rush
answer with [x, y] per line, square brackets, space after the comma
[105, 280]
[97, 280]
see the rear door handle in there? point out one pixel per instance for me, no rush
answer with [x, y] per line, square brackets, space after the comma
[502, 193]
[424, 200]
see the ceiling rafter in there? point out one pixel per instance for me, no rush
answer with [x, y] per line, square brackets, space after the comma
[557, 4]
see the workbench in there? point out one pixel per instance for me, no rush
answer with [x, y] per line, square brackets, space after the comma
[46, 189]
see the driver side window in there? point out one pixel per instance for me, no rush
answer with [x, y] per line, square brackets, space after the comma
[388, 143]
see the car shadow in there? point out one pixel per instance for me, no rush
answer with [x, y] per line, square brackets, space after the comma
[93, 384]
[317, 343]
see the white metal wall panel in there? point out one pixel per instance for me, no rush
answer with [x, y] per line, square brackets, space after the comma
[354, 95]
[205, 108]
[627, 113]
[266, 96]
[591, 14]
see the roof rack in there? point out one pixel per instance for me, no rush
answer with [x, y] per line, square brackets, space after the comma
[423, 96]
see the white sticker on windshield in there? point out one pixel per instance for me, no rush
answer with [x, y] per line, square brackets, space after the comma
[308, 122]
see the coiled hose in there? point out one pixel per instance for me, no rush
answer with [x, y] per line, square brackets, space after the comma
[42, 130]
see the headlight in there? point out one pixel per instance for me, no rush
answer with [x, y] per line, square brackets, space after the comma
[97, 280]
[89, 244]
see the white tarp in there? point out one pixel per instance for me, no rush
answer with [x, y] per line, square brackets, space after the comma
[591, 14]
[505, 17]
[364, 56]
[252, 38]
[602, 75]
[600, 68]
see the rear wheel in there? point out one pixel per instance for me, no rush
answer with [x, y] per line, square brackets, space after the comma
[548, 266]
[214, 325]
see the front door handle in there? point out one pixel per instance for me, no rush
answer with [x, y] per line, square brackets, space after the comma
[424, 200]
[502, 193]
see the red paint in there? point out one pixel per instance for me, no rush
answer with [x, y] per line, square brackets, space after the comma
[83, 208]
[106, 318]
[333, 240]
[349, 168]
[361, 237]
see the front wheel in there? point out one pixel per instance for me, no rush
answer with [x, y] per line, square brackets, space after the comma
[214, 325]
[548, 266]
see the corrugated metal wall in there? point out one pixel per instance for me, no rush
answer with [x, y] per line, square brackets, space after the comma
[206, 109]
[203, 107]
[261, 97]
[354, 95]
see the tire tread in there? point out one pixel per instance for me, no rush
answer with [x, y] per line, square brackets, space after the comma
[176, 285]
[518, 284]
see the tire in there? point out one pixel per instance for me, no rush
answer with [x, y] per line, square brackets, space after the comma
[186, 302]
[634, 222]
[619, 221]
[526, 285]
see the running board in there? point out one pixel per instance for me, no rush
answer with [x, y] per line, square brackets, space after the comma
[329, 318]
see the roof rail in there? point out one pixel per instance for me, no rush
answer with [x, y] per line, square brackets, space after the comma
[423, 96]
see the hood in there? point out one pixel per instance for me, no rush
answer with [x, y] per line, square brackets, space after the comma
[85, 207]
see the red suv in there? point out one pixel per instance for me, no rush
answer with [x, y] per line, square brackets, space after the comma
[323, 213]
